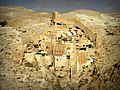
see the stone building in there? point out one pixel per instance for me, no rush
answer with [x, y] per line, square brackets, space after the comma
[78, 40]
[68, 41]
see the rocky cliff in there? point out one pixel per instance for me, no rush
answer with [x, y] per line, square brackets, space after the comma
[24, 25]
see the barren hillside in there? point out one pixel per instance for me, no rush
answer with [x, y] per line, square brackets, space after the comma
[24, 27]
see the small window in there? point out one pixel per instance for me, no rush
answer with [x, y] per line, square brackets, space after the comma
[59, 24]
[68, 56]
[53, 23]
[83, 45]
[82, 31]
[47, 47]
[80, 36]
[40, 50]
[83, 49]
[75, 30]
[89, 46]
[77, 41]
[77, 27]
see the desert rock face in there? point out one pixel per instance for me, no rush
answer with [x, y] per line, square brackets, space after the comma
[26, 63]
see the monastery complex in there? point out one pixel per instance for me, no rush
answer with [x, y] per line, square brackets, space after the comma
[66, 44]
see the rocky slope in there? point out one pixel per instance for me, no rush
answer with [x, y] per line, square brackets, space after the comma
[23, 25]
[107, 29]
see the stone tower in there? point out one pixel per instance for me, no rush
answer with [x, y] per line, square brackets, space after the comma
[54, 17]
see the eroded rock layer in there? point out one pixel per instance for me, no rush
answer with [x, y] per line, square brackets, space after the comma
[78, 50]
